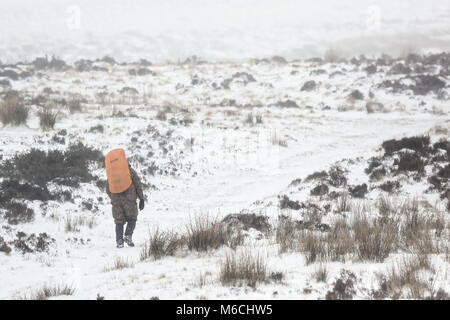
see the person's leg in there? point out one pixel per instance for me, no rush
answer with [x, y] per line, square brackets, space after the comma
[119, 234]
[119, 220]
[131, 224]
[131, 212]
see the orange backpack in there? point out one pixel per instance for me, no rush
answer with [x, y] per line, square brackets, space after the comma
[117, 171]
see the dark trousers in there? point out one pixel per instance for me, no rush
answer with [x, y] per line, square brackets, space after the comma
[131, 224]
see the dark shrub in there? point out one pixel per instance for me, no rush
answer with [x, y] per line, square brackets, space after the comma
[12, 189]
[320, 190]
[378, 174]
[66, 168]
[32, 243]
[18, 213]
[286, 203]
[373, 163]
[418, 143]
[442, 144]
[5, 83]
[445, 172]
[390, 186]
[426, 83]
[400, 68]
[54, 64]
[10, 74]
[359, 191]
[83, 65]
[411, 162]
[295, 182]
[337, 177]
[319, 175]
[371, 69]
[4, 246]
[343, 288]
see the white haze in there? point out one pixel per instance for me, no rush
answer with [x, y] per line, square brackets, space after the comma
[162, 30]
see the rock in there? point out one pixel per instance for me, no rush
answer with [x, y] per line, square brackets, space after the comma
[246, 221]
[356, 95]
[371, 69]
[287, 104]
[373, 106]
[279, 60]
[308, 85]
[400, 68]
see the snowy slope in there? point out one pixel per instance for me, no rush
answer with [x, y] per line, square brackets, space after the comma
[223, 165]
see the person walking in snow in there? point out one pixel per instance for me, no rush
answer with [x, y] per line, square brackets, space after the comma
[124, 208]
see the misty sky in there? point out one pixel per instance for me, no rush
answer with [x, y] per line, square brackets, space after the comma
[219, 29]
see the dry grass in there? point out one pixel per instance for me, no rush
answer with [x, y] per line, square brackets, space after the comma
[285, 234]
[374, 240]
[243, 267]
[419, 232]
[321, 273]
[405, 278]
[385, 206]
[73, 224]
[204, 233]
[276, 140]
[13, 111]
[119, 263]
[367, 236]
[161, 244]
[48, 291]
[203, 279]
[343, 203]
[340, 243]
[47, 118]
[313, 245]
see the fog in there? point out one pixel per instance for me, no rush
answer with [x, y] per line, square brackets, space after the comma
[162, 30]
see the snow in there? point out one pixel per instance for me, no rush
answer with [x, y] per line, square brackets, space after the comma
[230, 167]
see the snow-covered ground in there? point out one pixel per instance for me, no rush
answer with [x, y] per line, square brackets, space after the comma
[209, 158]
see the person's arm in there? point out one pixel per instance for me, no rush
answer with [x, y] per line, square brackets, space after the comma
[137, 184]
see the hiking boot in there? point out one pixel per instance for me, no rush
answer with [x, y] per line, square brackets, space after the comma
[128, 241]
[120, 244]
